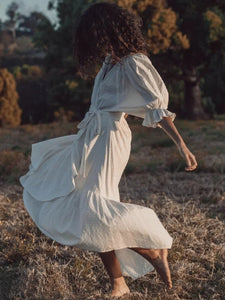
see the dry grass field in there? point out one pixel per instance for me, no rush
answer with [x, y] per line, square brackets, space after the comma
[190, 205]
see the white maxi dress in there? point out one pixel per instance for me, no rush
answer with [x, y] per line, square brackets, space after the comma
[71, 188]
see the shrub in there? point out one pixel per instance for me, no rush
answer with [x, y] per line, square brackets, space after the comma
[63, 115]
[13, 164]
[32, 90]
[10, 112]
[27, 72]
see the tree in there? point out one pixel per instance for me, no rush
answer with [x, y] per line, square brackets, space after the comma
[57, 41]
[10, 112]
[13, 14]
[204, 25]
[159, 24]
[31, 86]
[183, 35]
[29, 24]
[66, 89]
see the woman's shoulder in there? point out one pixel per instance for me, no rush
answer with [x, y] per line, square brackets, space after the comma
[136, 58]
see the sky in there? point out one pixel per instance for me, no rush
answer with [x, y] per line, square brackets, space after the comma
[26, 6]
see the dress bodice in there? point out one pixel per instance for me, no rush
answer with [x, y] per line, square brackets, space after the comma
[132, 86]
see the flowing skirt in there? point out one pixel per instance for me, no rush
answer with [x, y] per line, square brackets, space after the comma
[71, 193]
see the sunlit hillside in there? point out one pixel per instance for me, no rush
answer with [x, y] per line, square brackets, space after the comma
[190, 205]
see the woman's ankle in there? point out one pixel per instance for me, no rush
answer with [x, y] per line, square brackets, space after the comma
[119, 281]
[119, 286]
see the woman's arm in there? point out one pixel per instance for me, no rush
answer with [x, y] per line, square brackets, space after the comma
[170, 129]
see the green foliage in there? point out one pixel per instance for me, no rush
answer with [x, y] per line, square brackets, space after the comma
[176, 94]
[204, 26]
[29, 24]
[58, 40]
[213, 84]
[159, 25]
[10, 112]
[182, 34]
[12, 11]
[32, 89]
[59, 62]
[27, 72]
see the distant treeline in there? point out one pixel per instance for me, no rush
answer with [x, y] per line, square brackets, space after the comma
[187, 46]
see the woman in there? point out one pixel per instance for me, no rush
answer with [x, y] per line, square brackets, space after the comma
[71, 190]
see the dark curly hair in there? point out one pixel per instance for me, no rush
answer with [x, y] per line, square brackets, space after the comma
[106, 28]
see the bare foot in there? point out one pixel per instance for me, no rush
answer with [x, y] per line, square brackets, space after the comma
[160, 263]
[119, 287]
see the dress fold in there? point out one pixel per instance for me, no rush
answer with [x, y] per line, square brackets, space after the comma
[52, 158]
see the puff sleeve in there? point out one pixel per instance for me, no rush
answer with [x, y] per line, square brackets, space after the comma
[147, 97]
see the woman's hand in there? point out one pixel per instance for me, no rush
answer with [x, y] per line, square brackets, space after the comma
[188, 156]
[168, 126]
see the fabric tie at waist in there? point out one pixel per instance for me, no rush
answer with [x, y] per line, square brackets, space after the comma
[96, 116]
[88, 117]
[83, 125]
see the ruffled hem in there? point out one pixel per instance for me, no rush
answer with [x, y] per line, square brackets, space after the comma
[92, 222]
[56, 158]
[154, 116]
[82, 215]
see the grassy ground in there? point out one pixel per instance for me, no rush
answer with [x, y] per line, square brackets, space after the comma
[190, 205]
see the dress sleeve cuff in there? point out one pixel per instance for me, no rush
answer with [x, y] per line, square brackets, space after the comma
[154, 116]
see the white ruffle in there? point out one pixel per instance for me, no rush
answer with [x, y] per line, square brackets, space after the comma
[54, 166]
[88, 220]
[154, 116]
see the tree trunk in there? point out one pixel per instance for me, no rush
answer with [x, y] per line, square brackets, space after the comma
[192, 100]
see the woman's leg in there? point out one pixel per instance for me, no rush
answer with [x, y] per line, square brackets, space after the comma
[158, 258]
[112, 267]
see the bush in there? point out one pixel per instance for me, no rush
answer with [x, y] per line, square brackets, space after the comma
[10, 112]
[32, 90]
[13, 164]
[27, 72]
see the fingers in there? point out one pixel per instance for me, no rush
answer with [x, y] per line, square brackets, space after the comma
[189, 157]
[191, 162]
